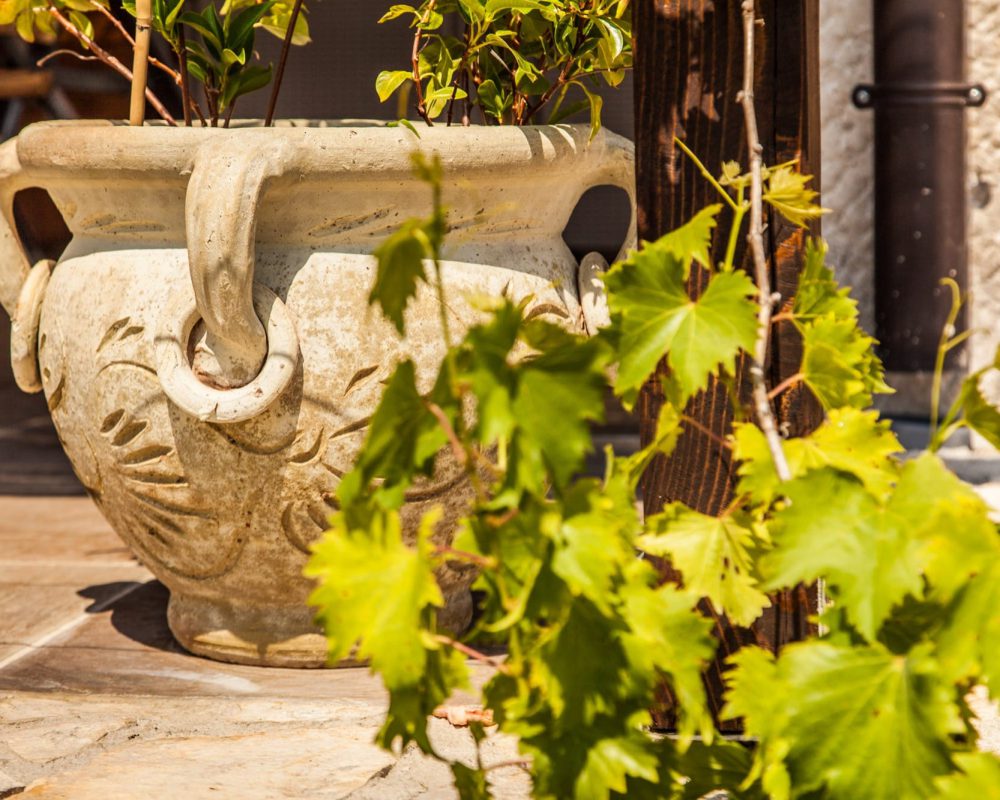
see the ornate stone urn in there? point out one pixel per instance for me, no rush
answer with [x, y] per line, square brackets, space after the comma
[206, 346]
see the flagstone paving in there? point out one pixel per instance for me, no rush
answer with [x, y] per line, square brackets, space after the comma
[98, 702]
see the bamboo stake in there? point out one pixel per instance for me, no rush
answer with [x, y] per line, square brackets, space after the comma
[140, 65]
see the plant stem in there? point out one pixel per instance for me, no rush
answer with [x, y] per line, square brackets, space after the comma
[943, 347]
[415, 59]
[470, 652]
[708, 175]
[182, 61]
[282, 60]
[734, 234]
[153, 62]
[106, 58]
[708, 432]
[755, 238]
[785, 385]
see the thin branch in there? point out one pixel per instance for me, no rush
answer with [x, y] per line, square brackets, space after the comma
[415, 60]
[472, 653]
[762, 404]
[106, 58]
[182, 62]
[457, 449]
[460, 555]
[463, 716]
[280, 73]
[55, 53]
[514, 762]
[153, 61]
[785, 385]
[708, 432]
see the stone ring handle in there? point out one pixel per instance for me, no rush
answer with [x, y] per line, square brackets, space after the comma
[246, 354]
[616, 168]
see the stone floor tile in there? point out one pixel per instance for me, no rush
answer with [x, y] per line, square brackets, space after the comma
[55, 530]
[39, 602]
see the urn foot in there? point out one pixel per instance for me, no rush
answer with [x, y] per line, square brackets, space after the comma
[272, 636]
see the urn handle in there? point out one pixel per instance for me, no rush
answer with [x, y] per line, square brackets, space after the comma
[616, 167]
[14, 262]
[243, 340]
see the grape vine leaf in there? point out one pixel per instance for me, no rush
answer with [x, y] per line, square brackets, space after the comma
[400, 270]
[968, 644]
[373, 592]
[849, 440]
[839, 364]
[788, 193]
[665, 637]
[859, 721]
[375, 598]
[713, 556]
[818, 293]
[690, 242]
[977, 412]
[610, 762]
[403, 438]
[833, 528]
[655, 317]
[979, 778]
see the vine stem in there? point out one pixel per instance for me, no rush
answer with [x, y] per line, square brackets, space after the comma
[286, 45]
[755, 238]
[106, 58]
[471, 652]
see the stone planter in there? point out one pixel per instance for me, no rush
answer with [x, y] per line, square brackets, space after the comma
[206, 346]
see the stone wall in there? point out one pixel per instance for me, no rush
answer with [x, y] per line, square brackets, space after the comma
[984, 178]
[846, 60]
[848, 138]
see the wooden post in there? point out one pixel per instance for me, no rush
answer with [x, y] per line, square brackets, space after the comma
[688, 71]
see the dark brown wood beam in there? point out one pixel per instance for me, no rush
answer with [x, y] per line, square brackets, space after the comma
[688, 71]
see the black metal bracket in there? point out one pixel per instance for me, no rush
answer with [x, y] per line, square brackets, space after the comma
[940, 93]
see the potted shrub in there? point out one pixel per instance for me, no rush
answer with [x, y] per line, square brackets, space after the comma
[205, 343]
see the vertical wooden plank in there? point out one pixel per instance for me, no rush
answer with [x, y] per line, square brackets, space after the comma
[688, 71]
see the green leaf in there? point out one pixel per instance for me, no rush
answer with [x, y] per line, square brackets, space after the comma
[664, 637]
[857, 721]
[610, 762]
[849, 440]
[691, 242]
[818, 294]
[655, 317]
[401, 269]
[388, 82]
[789, 195]
[833, 528]
[979, 778]
[713, 556]
[977, 412]
[470, 783]
[968, 643]
[403, 439]
[839, 364]
[559, 394]
[373, 592]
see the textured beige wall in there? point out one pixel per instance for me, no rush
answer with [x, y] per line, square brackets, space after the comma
[845, 61]
[984, 178]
